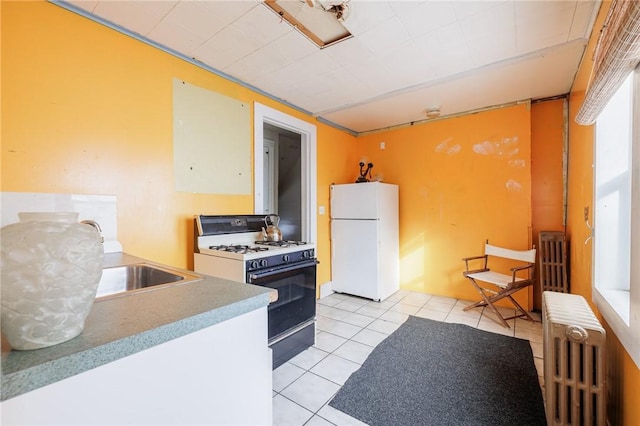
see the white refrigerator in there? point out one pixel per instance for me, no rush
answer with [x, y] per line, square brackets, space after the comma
[365, 258]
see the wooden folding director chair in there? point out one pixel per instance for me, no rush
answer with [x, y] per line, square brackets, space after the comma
[506, 284]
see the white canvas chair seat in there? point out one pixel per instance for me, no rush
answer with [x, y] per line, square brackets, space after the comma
[504, 284]
[496, 278]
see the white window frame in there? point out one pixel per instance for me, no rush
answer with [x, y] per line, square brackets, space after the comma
[619, 302]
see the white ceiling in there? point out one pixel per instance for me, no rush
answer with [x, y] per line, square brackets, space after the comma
[404, 56]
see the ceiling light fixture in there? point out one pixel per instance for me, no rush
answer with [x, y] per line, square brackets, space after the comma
[319, 20]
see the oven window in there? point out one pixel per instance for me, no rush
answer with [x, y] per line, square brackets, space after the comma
[296, 302]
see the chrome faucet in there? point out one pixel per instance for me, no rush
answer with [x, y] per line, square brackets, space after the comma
[95, 225]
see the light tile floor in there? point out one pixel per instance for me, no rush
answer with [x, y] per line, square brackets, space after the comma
[348, 328]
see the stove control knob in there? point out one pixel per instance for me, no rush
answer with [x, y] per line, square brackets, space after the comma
[263, 262]
[285, 258]
[306, 254]
[254, 265]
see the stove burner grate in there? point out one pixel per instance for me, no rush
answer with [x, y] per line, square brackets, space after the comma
[238, 248]
[283, 243]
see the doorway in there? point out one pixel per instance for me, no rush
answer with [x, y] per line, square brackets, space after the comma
[285, 171]
[282, 179]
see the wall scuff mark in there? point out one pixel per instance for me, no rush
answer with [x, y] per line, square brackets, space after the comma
[501, 147]
[444, 147]
[513, 186]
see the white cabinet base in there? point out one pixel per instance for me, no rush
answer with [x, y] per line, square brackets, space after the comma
[217, 376]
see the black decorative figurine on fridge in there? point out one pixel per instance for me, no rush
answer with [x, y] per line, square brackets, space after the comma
[364, 172]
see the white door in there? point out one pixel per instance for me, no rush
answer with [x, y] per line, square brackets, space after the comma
[354, 257]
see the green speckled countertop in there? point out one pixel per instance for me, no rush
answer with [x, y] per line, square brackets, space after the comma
[121, 326]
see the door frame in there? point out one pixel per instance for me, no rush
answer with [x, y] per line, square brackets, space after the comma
[308, 139]
[272, 174]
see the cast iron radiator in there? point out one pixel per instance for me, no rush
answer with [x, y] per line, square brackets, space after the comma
[553, 261]
[574, 356]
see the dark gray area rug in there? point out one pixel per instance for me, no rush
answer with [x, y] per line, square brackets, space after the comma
[434, 373]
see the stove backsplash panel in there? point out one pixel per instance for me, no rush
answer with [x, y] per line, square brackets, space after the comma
[230, 224]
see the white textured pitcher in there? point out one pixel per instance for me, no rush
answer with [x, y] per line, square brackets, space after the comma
[51, 267]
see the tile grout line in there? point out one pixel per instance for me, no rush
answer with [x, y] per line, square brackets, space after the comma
[314, 413]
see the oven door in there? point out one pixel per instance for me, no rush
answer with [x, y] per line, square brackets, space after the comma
[296, 304]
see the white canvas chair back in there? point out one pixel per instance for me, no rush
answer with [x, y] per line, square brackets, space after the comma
[523, 255]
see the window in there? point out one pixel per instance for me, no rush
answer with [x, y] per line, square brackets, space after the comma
[616, 279]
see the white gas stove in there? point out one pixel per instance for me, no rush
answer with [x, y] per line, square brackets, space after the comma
[233, 247]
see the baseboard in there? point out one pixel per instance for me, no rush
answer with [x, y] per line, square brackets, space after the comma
[325, 289]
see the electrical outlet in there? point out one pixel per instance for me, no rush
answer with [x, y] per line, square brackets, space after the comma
[382, 145]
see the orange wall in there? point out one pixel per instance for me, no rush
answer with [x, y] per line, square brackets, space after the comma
[547, 146]
[462, 180]
[85, 109]
[88, 110]
[623, 374]
[336, 163]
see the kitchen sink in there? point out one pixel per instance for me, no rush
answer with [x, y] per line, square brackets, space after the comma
[138, 277]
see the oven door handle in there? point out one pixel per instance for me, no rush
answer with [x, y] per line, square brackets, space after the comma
[293, 267]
